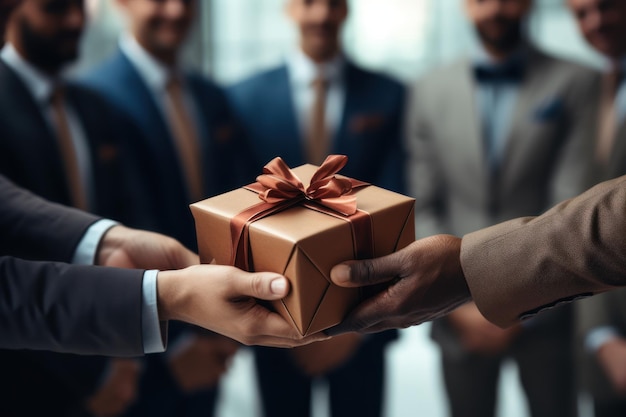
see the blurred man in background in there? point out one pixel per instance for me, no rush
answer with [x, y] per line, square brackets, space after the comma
[66, 144]
[193, 150]
[315, 104]
[503, 133]
[602, 319]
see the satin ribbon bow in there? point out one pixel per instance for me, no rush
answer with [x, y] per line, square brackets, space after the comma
[282, 184]
[280, 188]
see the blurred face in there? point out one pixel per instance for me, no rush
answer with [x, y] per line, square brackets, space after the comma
[47, 32]
[319, 23]
[603, 24]
[160, 26]
[498, 22]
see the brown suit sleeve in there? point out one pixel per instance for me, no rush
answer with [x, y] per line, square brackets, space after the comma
[70, 308]
[521, 267]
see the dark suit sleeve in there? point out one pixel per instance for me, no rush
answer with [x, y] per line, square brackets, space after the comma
[523, 266]
[33, 228]
[70, 308]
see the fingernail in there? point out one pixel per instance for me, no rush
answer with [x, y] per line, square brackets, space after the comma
[340, 274]
[278, 286]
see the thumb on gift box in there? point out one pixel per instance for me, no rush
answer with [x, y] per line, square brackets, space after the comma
[262, 285]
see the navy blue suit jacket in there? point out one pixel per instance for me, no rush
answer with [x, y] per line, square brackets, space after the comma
[226, 160]
[30, 157]
[369, 132]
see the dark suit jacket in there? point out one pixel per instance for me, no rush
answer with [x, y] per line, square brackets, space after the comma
[54, 306]
[30, 157]
[369, 132]
[226, 161]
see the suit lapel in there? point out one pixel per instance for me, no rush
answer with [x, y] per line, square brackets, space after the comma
[617, 164]
[465, 116]
[32, 136]
[530, 93]
[144, 109]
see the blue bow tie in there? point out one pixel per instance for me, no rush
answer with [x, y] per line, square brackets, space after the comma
[499, 74]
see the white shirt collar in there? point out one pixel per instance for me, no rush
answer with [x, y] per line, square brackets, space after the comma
[155, 73]
[38, 83]
[303, 71]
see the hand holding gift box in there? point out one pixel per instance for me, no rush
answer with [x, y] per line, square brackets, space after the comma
[300, 223]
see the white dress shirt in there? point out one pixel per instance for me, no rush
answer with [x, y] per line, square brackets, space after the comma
[41, 86]
[153, 333]
[156, 76]
[302, 73]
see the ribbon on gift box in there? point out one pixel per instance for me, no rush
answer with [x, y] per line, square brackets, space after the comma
[279, 188]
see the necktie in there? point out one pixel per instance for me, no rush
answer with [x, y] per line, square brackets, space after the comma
[68, 151]
[607, 125]
[318, 138]
[186, 139]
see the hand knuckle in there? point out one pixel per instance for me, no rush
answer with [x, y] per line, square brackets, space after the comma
[256, 284]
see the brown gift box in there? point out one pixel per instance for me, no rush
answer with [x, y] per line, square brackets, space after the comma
[303, 245]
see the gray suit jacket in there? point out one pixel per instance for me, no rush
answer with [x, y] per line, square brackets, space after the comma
[545, 160]
[607, 309]
[55, 306]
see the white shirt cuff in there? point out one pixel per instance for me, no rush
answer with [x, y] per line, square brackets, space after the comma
[85, 253]
[154, 332]
[599, 336]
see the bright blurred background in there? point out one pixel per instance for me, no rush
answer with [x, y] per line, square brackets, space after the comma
[236, 38]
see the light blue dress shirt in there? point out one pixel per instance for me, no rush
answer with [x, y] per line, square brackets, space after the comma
[85, 253]
[496, 104]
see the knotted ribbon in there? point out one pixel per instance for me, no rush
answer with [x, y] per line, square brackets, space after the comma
[279, 188]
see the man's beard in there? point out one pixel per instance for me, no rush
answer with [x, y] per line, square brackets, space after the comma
[45, 52]
[509, 40]
[324, 50]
